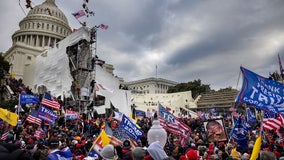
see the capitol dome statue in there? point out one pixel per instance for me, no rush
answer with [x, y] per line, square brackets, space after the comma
[43, 27]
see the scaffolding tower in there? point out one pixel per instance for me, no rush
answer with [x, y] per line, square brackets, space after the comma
[82, 57]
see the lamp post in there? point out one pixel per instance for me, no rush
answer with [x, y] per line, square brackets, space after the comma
[157, 133]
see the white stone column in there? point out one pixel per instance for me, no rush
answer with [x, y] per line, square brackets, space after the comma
[25, 39]
[37, 41]
[48, 41]
[43, 38]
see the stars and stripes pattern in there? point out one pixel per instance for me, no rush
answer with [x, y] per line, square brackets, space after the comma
[179, 129]
[4, 136]
[50, 101]
[38, 133]
[172, 124]
[116, 142]
[272, 121]
[79, 14]
[119, 133]
[102, 26]
[33, 117]
[119, 136]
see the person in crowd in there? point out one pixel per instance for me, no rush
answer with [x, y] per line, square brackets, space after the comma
[118, 149]
[235, 154]
[176, 149]
[156, 151]
[109, 152]
[191, 154]
[245, 156]
[53, 146]
[10, 151]
[267, 155]
[126, 150]
[138, 153]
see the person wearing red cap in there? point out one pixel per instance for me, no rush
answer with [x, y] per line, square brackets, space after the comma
[191, 154]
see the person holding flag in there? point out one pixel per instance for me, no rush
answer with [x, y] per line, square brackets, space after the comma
[98, 145]
[54, 153]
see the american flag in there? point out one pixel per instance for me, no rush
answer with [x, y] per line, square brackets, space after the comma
[50, 101]
[4, 136]
[272, 121]
[172, 124]
[38, 134]
[79, 14]
[33, 117]
[102, 26]
[119, 136]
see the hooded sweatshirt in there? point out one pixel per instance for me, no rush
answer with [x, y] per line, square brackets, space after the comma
[156, 151]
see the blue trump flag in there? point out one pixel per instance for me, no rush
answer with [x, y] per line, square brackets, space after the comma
[261, 92]
[251, 117]
[93, 155]
[28, 99]
[64, 154]
[46, 114]
[238, 133]
[130, 128]
[140, 113]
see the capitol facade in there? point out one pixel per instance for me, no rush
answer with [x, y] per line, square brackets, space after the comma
[42, 28]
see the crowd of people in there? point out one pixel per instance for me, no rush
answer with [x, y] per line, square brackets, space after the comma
[74, 139]
[21, 143]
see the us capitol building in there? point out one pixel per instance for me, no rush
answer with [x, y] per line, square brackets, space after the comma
[43, 27]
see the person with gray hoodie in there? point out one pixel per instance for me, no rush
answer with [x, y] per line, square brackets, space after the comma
[156, 151]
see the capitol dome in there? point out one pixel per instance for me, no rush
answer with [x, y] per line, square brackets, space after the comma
[44, 25]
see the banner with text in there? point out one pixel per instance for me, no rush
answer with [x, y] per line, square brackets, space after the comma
[130, 128]
[47, 114]
[261, 92]
[28, 99]
[71, 115]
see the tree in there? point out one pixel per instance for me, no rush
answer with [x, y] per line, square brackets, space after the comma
[196, 87]
[225, 89]
[4, 69]
[9, 104]
[4, 66]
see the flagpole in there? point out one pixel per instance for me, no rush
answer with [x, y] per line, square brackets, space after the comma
[238, 79]
[18, 109]
[82, 23]
[261, 121]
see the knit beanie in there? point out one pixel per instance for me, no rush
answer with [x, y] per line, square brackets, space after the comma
[108, 152]
[138, 153]
[267, 155]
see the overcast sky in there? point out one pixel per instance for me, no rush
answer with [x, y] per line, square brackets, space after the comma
[186, 39]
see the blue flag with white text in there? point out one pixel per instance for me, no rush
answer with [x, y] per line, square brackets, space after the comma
[140, 113]
[251, 117]
[261, 92]
[238, 133]
[130, 128]
[28, 99]
[46, 114]
[64, 154]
